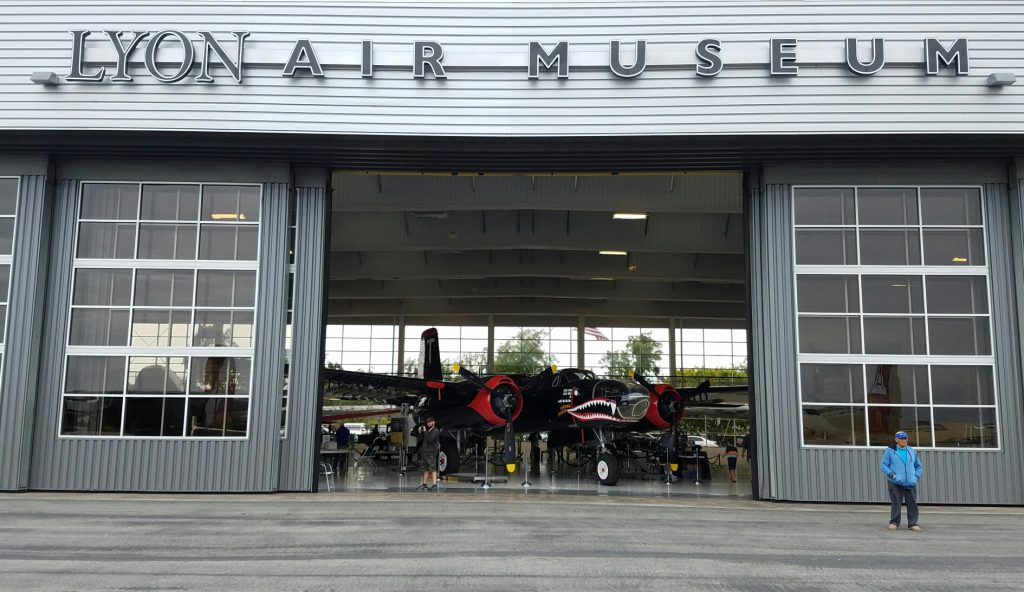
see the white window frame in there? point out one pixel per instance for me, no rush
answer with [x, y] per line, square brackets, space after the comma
[922, 270]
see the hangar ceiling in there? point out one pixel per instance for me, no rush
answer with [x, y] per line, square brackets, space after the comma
[526, 249]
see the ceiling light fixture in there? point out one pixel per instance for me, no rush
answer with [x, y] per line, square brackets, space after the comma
[629, 216]
[616, 253]
[959, 259]
[433, 215]
[217, 216]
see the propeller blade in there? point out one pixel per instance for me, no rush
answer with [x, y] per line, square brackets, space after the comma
[470, 377]
[510, 448]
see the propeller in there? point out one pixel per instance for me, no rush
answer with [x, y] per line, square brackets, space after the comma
[673, 407]
[506, 400]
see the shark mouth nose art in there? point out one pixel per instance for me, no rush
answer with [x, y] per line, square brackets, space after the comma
[596, 410]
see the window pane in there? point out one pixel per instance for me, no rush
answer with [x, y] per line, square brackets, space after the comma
[896, 294]
[6, 236]
[103, 287]
[962, 385]
[5, 281]
[824, 205]
[109, 201]
[3, 322]
[157, 375]
[897, 384]
[954, 247]
[160, 328]
[154, 416]
[896, 206]
[91, 416]
[828, 293]
[966, 427]
[217, 417]
[826, 247]
[829, 335]
[223, 328]
[170, 202]
[226, 288]
[836, 426]
[94, 375]
[220, 376]
[224, 203]
[890, 247]
[959, 336]
[8, 196]
[167, 241]
[894, 335]
[832, 383]
[156, 287]
[98, 240]
[884, 422]
[98, 326]
[951, 206]
[957, 294]
[228, 242]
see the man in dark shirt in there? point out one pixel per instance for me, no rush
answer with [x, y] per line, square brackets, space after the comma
[430, 446]
[341, 437]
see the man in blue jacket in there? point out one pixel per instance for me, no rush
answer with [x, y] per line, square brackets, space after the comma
[903, 469]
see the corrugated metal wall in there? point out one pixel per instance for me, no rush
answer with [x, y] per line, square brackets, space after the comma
[487, 92]
[789, 472]
[299, 449]
[24, 323]
[166, 465]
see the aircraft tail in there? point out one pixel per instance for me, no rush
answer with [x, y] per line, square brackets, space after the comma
[430, 356]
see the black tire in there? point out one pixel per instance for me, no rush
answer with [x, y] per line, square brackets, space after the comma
[607, 469]
[448, 460]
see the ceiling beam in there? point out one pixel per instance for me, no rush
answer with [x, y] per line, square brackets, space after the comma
[534, 306]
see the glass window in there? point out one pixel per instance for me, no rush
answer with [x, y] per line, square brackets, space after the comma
[226, 288]
[962, 385]
[103, 287]
[897, 384]
[98, 326]
[966, 427]
[958, 247]
[94, 375]
[829, 335]
[163, 287]
[230, 203]
[826, 247]
[8, 196]
[959, 336]
[91, 416]
[827, 206]
[102, 240]
[154, 416]
[109, 201]
[895, 206]
[170, 202]
[228, 242]
[834, 425]
[220, 376]
[828, 293]
[884, 421]
[167, 241]
[832, 383]
[160, 328]
[951, 206]
[223, 328]
[217, 417]
[965, 294]
[157, 375]
[899, 246]
[6, 236]
[894, 335]
[895, 294]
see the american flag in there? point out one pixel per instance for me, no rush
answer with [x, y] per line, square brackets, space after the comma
[595, 333]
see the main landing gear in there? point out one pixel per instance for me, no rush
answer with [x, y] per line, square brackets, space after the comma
[607, 463]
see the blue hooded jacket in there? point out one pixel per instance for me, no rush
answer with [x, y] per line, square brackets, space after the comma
[904, 474]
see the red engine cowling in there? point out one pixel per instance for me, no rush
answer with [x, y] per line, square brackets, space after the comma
[658, 412]
[490, 403]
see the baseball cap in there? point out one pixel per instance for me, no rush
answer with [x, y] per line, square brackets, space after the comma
[901, 435]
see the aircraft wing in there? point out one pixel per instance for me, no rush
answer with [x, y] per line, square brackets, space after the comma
[386, 388]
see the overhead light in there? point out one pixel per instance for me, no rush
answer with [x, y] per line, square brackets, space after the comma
[629, 216]
[603, 279]
[898, 285]
[433, 215]
[217, 216]
[617, 253]
[959, 259]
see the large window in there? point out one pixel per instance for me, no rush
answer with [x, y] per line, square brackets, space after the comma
[163, 299]
[893, 317]
[8, 211]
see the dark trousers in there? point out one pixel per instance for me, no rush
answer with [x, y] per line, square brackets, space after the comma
[898, 495]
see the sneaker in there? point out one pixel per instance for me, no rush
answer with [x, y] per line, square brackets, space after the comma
[434, 488]
[915, 528]
[894, 527]
[422, 487]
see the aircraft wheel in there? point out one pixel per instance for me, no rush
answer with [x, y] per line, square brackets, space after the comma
[448, 459]
[607, 469]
